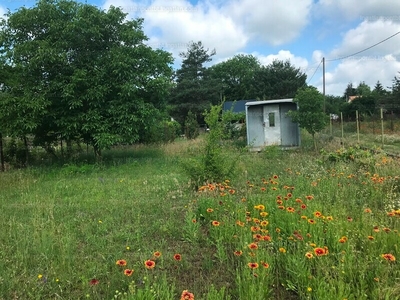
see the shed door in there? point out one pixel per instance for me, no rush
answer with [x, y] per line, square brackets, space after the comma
[272, 129]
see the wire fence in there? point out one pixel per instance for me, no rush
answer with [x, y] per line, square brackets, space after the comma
[378, 131]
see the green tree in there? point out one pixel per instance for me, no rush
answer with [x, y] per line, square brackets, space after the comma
[363, 89]
[279, 80]
[310, 114]
[81, 73]
[195, 90]
[237, 76]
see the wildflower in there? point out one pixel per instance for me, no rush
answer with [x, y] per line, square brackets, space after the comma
[253, 265]
[376, 228]
[282, 250]
[298, 200]
[368, 210]
[309, 289]
[264, 223]
[317, 214]
[178, 257]
[128, 248]
[309, 197]
[312, 245]
[376, 279]
[210, 210]
[194, 221]
[320, 251]
[265, 265]
[274, 188]
[389, 257]
[257, 236]
[186, 295]
[239, 223]
[253, 246]
[387, 230]
[289, 195]
[263, 189]
[371, 238]
[311, 221]
[231, 191]
[290, 209]
[149, 264]
[128, 272]
[267, 238]
[303, 206]
[329, 218]
[121, 262]
[94, 281]
[255, 220]
[304, 217]
[281, 207]
[259, 207]
[238, 253]
[157, 254]
[279, 202]
[40, 276]
[309, 255]
[263, 214]
[343, 239]
[350, 219]
[215, 223]
[255, 228]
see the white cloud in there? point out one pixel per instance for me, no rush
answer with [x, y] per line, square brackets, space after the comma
[275, 22]
[354, 9]
[3, 11]
[283, 55]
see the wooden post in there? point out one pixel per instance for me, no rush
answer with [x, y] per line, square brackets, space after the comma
[1, 153]
[382, 129]
[358, 127]
[330, 124]
[341, 122]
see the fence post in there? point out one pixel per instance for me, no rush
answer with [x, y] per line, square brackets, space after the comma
[358, 127]
[382, 129]
[341, 123]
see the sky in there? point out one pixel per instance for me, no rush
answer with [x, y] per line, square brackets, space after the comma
[302, 31]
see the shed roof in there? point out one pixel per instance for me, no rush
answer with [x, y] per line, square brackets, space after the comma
[269, 102]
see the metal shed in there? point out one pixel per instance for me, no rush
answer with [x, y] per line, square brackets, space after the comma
[267, 124]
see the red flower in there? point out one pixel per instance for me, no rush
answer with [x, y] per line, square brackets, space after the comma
[253, 265]
[215, 223]
[128, 272]
[265, 265]
[320, 251]
[149, 264]
[238, 253]
[178, 257]
[121, 262]
[94, 281]
[157, 254]
[186, 295]
[389, 257]
[253, 246]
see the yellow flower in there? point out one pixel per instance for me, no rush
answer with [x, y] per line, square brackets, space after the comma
[40, 276]
[282, 250]
[309, 289]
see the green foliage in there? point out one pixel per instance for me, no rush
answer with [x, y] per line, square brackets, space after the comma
[214, 164]
[279, 80]
[310, 114]
[195, 89]
[237, 76]
[162, 131]
[191, 126]
[80, 73]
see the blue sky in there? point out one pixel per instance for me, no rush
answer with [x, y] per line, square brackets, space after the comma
[302, 31]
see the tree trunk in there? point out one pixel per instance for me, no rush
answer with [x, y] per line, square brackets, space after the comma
[26, 151]
[1, 153]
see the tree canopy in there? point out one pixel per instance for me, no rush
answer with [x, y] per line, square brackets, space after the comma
[77, 72]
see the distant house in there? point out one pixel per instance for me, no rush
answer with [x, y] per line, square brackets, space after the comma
[351, 98]
[267, 123]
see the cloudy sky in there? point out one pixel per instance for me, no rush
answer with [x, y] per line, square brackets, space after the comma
[303, 31]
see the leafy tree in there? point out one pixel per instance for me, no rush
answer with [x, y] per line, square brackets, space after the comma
[394, 106]
[81, 73]
[279, 80]
[333, 104]
[191, 126]
[350, 91]
[237, 76]
[363, 89]
[195, 90]
[310, 114]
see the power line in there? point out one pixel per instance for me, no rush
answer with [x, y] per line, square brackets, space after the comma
[347, 56]
[314, 72]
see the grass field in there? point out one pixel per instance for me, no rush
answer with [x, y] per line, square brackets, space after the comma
[286, 225]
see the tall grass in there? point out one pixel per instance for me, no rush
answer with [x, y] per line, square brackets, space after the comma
[247, 237]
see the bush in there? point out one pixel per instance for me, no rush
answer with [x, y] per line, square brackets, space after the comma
[191, 126]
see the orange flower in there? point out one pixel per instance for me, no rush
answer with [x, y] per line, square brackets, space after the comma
[149, 264]
[282, 250]
[178, 257]
[304, 217]
[376, 228]
[186, 295]
[320, 251]
[343, 239]
[128, 272]
[309, 197]
[290, 209]
[309, 255]
[263, 214]
[303, 206]
[298, 200]
[267, 238]
[311, 221]
[253, 265]
[265, 265]
[386, 229]
[157, 254]
[264, 223]
[329, 218]
[279, 202]
[281, 207]
[317, 214]
[121, 262]
[259, 207]
[370, 237]
[350, 219]
[255, 228]
[253, 246]
[367, 210]
[389, 257]
[238, 253]
[210, 210]
[239, 223]
[215, 223]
